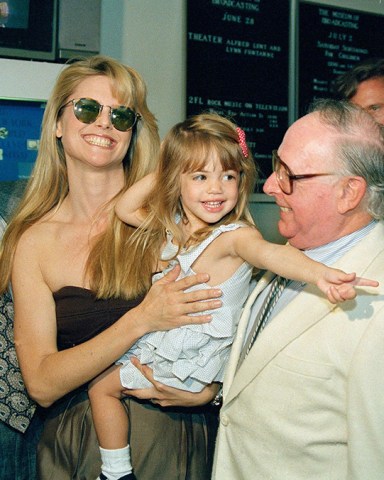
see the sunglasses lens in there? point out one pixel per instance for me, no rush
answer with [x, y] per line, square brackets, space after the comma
[86, 110]
[123, 118]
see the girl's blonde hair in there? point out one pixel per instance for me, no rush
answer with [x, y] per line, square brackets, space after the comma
[48, 185]
[187, 148]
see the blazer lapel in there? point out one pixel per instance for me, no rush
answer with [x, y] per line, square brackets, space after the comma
[295, 317]
[242, 329]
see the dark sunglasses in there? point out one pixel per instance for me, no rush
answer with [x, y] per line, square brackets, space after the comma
[87, 110]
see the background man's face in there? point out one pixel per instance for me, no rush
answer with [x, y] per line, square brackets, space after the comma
[370, 96]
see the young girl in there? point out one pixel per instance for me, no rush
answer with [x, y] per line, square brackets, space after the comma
[193, 211]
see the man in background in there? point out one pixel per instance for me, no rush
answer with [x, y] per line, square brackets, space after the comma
[363, 85]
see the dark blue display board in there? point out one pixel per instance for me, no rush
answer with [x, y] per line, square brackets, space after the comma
[332, 40]
[20, 124]
[237, 65]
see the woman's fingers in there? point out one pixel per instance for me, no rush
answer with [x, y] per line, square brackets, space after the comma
[167, 305]
[166, 396]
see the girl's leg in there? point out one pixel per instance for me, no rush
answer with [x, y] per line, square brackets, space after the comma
[111, 424]
[109, 415]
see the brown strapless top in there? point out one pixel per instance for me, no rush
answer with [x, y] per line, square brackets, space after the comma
[81, 316]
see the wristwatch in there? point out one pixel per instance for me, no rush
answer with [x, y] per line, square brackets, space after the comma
[218, 400]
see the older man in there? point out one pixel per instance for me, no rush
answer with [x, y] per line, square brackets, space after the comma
[306, 401]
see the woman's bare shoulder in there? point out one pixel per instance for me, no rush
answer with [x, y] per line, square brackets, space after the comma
[39, 235]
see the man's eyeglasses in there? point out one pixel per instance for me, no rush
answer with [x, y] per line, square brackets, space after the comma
[87, 110]
[285, 177]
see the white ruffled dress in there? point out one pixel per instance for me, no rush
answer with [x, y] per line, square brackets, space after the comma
[192, 356]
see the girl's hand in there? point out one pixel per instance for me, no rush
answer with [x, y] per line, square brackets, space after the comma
[168, 306]
[165, 396]
[340, 286]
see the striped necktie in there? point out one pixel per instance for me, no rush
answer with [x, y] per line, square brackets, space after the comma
[277, 287]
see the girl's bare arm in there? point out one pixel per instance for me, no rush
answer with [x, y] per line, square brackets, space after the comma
[291, 263]
[129, 207]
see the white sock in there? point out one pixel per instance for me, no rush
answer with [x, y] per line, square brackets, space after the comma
[116, 463]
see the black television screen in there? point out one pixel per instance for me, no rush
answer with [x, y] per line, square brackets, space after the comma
[14, 14]
[28, 29]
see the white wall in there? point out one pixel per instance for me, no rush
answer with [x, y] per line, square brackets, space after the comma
[26, 79]
[153, 41]
[164, 55]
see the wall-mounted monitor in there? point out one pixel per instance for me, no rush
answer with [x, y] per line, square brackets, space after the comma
[20, 127]
[28, 29]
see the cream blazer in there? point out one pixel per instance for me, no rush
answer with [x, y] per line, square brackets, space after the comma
[308, 401]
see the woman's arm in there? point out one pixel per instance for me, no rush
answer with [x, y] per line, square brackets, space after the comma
[291, 263]
[129, 207]
[50, 374]
[166, 396]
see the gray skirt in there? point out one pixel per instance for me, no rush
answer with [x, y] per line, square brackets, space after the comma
[166, 444]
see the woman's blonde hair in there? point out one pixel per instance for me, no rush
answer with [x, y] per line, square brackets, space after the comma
[187, 148]
[48, 185]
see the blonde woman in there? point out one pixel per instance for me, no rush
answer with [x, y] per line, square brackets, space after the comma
[76, 309]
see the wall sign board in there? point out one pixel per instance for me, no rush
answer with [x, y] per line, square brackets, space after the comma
[237, 65]
[331, 41]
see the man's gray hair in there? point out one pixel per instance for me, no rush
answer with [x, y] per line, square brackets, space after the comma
[359, 149]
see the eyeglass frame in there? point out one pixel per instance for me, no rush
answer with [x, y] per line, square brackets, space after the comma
[276, 160]
[73, 101]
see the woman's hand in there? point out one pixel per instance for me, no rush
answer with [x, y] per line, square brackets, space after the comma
[168, 306]
[165, 396]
